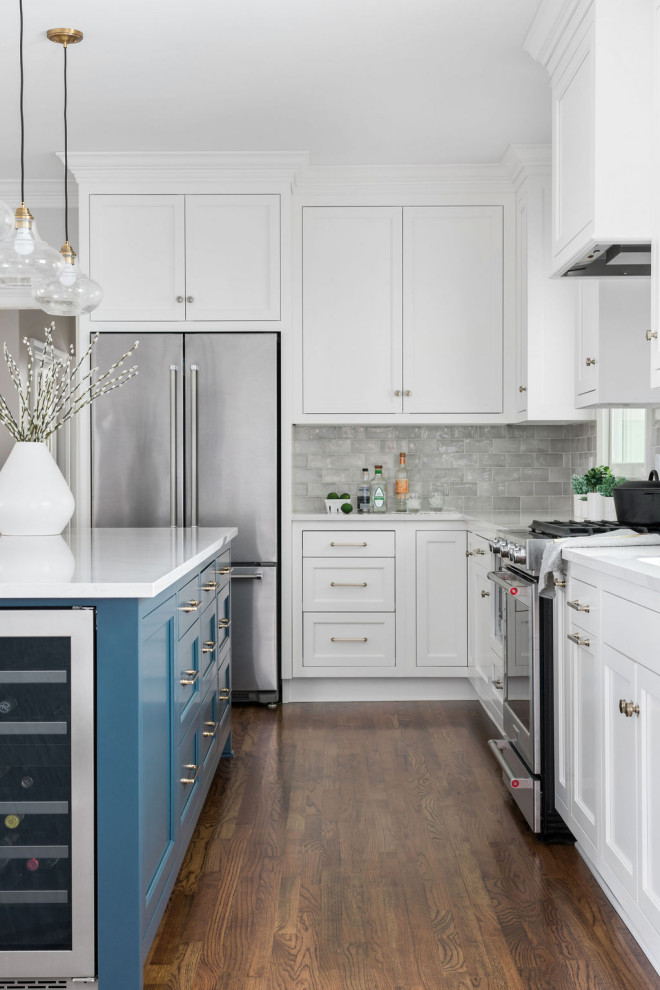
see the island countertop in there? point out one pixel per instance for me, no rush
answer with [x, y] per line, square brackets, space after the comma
[91, 563]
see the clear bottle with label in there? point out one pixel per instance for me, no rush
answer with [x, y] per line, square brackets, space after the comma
[364, 493]
[378, 490]
[401, 485]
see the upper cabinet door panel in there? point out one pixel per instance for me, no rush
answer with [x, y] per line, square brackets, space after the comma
[452, 309]
[233, 257]
[351, 310]
[147, 286]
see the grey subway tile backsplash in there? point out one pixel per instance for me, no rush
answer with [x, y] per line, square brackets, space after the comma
[484, 468]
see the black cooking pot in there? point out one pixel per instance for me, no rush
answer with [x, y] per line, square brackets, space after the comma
[637, 503]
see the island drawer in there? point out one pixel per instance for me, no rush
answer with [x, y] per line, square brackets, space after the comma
[348, 640]
[188, 603]
[210, 725]
[223, 606]
[348, 543]
[348, 585]
[208, 585]
[189, 772]
[208, 645]
[187, 684]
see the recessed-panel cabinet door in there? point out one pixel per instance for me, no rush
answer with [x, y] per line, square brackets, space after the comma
[351, 310]
[441, 599]
[586, 689]
[452, 309]
[232, 257]
[648, 698]
[137, 256]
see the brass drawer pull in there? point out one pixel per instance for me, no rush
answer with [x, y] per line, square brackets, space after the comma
[191, 678]
[211, 586]
[578, 608]
[468, 553]
[499, 684]
[208, 647]
[574, 638]
[193, 776]
[651, 335]
[348, 584]
[339, 639]
[210, 725]
[224, 693]
[480, 552]
[333, 544]
[191, 606]
[485, 594]
[224, 623]
[225, 570]
[590, 361]
[559, 584]
[628, 709]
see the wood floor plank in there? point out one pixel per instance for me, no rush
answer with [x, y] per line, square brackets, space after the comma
[373, 847]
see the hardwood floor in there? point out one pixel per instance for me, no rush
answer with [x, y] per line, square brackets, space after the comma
[373, 847]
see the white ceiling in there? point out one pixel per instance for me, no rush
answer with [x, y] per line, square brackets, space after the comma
[351, 81]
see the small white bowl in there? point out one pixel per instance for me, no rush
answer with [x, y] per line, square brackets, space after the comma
[333, 506]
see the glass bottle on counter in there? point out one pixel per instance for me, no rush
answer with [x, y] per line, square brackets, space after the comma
[401, 485]
[378, 490]
[364, 493]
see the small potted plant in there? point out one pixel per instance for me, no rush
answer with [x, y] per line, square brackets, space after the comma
[594, 478]
[580, 491]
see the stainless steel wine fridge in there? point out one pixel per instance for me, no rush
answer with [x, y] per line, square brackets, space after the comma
[47, 895]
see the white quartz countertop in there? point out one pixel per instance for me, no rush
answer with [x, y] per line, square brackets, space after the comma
[487, 522]
[105, 563]
[638, 565]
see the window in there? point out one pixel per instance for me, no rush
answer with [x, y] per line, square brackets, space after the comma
[623, 441]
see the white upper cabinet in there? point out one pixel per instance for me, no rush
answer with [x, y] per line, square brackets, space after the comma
[452, 309]
[402, 310]
[654, 329]
[546, 313]
[598, 55]
[351, 349]
[612, 351]
[195, 257]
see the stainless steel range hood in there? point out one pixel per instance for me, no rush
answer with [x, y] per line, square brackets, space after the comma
[614, 260]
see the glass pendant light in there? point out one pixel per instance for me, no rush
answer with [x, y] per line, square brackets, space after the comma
[70, 292]
[23, 255]
[6, 221]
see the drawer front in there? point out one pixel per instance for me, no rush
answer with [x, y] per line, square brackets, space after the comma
[208, 585]
[209, 727]
[479, 547]
[348, 640]
[208, 646]
[582, 604]
[348, 543]
[188, 772]
[632, 629]
[187, 686]
[223, 569]
[223, 607]
[352, 585]
[189, 605]
[224, 687]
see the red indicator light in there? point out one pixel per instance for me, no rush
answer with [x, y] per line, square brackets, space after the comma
[515, 783]
[513, 591]
[32, 865]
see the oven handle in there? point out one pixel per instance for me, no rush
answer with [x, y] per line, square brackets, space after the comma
[507, 580]
[496, 746]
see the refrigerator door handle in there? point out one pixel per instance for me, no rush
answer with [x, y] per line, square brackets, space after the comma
[173, 445]
[194, 369]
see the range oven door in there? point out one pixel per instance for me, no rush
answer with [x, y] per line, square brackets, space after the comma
[522, 679]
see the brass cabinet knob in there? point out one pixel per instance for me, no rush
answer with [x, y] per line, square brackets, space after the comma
[651, 335]
[485, 594]
[407, 392]
[499, 684]
[468, 553]
[179, 299]
[628, 708]
[590, 361]
[398, 392]
[522, 388]
[189, 299]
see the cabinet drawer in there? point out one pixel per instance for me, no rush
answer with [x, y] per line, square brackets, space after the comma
[348, 543]
[188, 772]
[208, 646]
[224, 687]
[632, 629]
[208, 585]
[188, 604]
[348, 640]
[352, 585]
[479, 547]
[223, 608]
[209, 725]
[187, 685]
[582, 604]
[223, 569]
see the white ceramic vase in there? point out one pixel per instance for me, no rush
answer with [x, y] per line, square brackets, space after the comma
[579, 507]
[35, 499]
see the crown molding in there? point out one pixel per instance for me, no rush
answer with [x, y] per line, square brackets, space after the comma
[520, 161]
[244, 168]
[39, 194]
[553, 20]
[403, 179]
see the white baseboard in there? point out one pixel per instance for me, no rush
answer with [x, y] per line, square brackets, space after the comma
[377, 689]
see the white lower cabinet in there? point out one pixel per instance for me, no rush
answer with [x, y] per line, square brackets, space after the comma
[485, 666]
[379, 599]
[607, 739]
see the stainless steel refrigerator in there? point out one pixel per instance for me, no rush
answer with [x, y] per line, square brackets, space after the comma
[194, 440]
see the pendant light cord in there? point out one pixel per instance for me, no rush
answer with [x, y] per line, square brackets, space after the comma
[20, 7]
[66, 158]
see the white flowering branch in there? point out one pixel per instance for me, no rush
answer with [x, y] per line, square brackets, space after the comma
[56, 389]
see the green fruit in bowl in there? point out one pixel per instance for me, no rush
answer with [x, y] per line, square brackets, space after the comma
[345, 495]
[332, 495]
[347, 507]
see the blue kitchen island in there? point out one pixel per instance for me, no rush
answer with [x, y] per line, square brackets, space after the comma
[137, 698]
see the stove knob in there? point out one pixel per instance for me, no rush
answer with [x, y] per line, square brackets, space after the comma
[507, 550]
[519, 555]
[496, 544]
